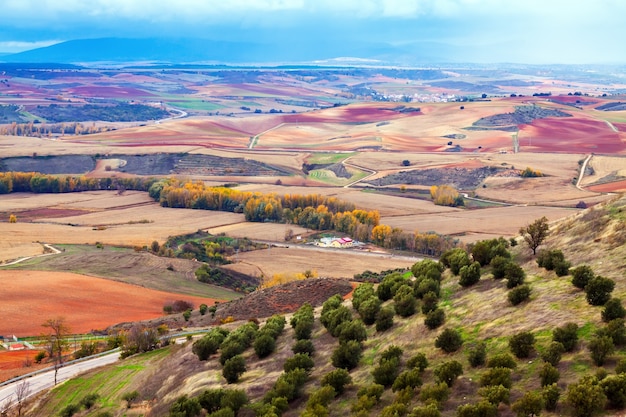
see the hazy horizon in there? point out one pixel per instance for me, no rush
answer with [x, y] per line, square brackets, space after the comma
[482, 31]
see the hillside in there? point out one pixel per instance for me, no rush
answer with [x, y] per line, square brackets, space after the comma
[479, 313]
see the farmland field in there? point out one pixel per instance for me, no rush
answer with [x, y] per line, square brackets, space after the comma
[87, 303]
[391, 131]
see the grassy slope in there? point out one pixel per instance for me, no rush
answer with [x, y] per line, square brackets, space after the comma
[126, 265]
[480, 313]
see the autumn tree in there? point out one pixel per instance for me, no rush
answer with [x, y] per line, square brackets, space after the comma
[56, 341]
[535, 233]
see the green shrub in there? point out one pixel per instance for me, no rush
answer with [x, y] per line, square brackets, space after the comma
[548, 374]
[435, 318]
[429, 302]
[203, 309]
[598, 290]
[352, 330]
[427, 268]
[437, 393]
[530, 404]
[130, 397]
[299, 360]
[423, 286]
[581, 276]
[481, 409]
[477, 354]
[548, 259]
[303, 346]
[89, 400]
[484, 251]
[616, 330]
[562, 268]
[429, 410]
[449, 341]
[553, 353]
[522, 344]
[362, 293]
[69, 410]
[600, 347]
[469, 274]
[620, 368]
[185, 407]
[333, 318]
[347, 355]
[498, 266]
[405, 303]
[417, 361]
[386, 372]
[393, 410]
[234, 368]
[496, 376]
[586, 397]
[566, 335]
[338, 379]
[514, 275]
[368, 310]
[502, 360]
[614, 387]
[264, 345]
[386, 290]
[384, 319]
[495, 394]
[448, 372]
[613, 309]
[519, 294]
[408, 379]
[550, 394]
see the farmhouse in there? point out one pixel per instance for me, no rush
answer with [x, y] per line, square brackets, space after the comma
[333, 242]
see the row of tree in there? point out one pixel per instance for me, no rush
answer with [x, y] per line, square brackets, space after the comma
[35, 182]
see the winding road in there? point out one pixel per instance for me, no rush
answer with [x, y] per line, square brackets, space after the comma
[45, 380]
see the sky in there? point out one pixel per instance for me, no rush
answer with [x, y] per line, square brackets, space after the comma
[520, 31]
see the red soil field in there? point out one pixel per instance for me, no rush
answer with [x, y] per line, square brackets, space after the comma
[611, 187]
[571, 135]
[620, 126]
[29, 298]
[573, 99]
[15, 359]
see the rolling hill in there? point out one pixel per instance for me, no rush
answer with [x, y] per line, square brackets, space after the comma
[450, 382]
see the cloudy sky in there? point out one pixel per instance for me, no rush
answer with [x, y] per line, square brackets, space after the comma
[526, 31]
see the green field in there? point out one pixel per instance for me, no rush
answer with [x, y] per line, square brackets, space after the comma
[328, 157]
[110, 384]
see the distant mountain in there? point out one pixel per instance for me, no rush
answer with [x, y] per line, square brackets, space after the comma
[195, 50]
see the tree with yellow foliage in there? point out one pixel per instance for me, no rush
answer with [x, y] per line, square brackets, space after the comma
[445, 195]
[12, 218]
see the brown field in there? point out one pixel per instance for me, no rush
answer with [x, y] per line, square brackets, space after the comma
[103, 216]
[328, 264]
[86, 302]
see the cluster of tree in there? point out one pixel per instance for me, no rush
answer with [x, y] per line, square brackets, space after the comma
[530, 173]
[41, 130]
[373, 277]
[222, 402]
[283, 278]
[445, 195]
[265, 340]
[120, 112]
[34, 182]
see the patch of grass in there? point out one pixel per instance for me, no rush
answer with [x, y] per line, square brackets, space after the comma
[109, 383]
[328, 157]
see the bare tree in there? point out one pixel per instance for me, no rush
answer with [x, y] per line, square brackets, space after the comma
[6, 406]
[22, 391]
[55, 341]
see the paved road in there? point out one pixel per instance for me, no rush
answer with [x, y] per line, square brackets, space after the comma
[45, 380]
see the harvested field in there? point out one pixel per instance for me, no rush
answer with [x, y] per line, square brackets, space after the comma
[18, 362]
[86, 302]
[131, 219]
[473, 225]
[340, 263]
